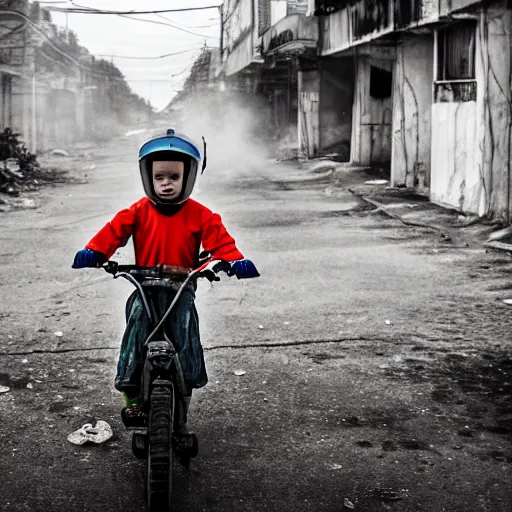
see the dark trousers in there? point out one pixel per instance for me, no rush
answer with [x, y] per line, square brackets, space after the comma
[181, 326]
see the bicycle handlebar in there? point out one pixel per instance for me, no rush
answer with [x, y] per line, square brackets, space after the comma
[159, 271]
[165, 271]
[134, 273]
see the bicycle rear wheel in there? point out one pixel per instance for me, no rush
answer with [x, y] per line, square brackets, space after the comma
[160, 453]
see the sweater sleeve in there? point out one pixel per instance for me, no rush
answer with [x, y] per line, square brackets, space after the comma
[115, 233]
[216, 239]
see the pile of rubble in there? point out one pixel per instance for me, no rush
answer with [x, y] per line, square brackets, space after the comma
[19, 168]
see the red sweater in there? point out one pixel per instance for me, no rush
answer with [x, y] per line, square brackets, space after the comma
[171, 240]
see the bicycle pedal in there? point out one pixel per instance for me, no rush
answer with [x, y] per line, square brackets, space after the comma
[133, 421]
[186, 445]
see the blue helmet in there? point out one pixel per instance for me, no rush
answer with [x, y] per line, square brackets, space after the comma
[177, 147]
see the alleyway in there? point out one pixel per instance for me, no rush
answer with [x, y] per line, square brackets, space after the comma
[377, 357]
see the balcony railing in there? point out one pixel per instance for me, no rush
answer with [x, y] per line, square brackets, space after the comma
[362, 21]
[295, 33]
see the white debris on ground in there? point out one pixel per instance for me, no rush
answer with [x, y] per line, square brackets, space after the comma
[376, 182]
[348, 504]
[97, 434]
[60, 152]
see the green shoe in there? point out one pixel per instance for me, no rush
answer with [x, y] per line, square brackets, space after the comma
[130, 401]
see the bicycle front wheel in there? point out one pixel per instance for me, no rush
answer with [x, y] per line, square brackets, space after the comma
[160, 455]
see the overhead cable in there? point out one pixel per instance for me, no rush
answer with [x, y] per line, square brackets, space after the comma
[150, 58]
[87, 10]
[129, 17]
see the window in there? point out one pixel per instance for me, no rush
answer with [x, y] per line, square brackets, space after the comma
[381, 83]
[455, 80]
[407, 12]
[296, 7]
[456, 52]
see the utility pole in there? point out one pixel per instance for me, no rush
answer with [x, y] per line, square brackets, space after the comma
[33, 141]
[34, 117]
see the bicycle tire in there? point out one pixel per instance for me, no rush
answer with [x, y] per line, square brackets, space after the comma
[160, 451]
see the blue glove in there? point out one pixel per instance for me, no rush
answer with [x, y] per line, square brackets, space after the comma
[243, 269]
[88, 258]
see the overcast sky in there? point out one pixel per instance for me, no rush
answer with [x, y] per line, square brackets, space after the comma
[113, 37]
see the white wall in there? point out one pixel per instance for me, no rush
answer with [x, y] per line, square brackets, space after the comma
[412, 102]
[471, 140]
[455, 179]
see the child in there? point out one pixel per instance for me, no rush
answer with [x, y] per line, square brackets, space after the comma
[167, 228]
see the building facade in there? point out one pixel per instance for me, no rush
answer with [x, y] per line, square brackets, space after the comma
[53, 91]
[431, 89]
[422, 87]
[262, 45]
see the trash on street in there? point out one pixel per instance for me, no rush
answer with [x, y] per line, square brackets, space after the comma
[97, 434]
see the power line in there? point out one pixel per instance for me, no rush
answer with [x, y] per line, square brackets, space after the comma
[188, 26]
[58, 50]
[34, 27]
[89, 10]
[111, 78]
[150, 58]
[188, 68]
[129, 17]
[92, 71]
[147, 80]
[40, 32]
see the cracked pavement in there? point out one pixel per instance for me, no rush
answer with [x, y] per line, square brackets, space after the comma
[377, 357]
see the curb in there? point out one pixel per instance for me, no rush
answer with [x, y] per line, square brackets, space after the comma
[305, 179]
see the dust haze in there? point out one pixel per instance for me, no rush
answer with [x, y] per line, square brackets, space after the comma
[235, 126]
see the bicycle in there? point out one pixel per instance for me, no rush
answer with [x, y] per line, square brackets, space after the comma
[162, 383]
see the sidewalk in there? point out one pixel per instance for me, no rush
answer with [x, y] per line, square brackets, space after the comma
[371, 187]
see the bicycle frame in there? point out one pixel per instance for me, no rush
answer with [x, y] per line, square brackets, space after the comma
[160, 356]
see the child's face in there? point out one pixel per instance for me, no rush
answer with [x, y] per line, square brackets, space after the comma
[168, 179]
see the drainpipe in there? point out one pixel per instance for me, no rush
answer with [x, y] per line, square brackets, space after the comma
[289, 98]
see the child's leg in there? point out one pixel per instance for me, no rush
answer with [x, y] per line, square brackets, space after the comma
[130, 400]
[129, 366]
